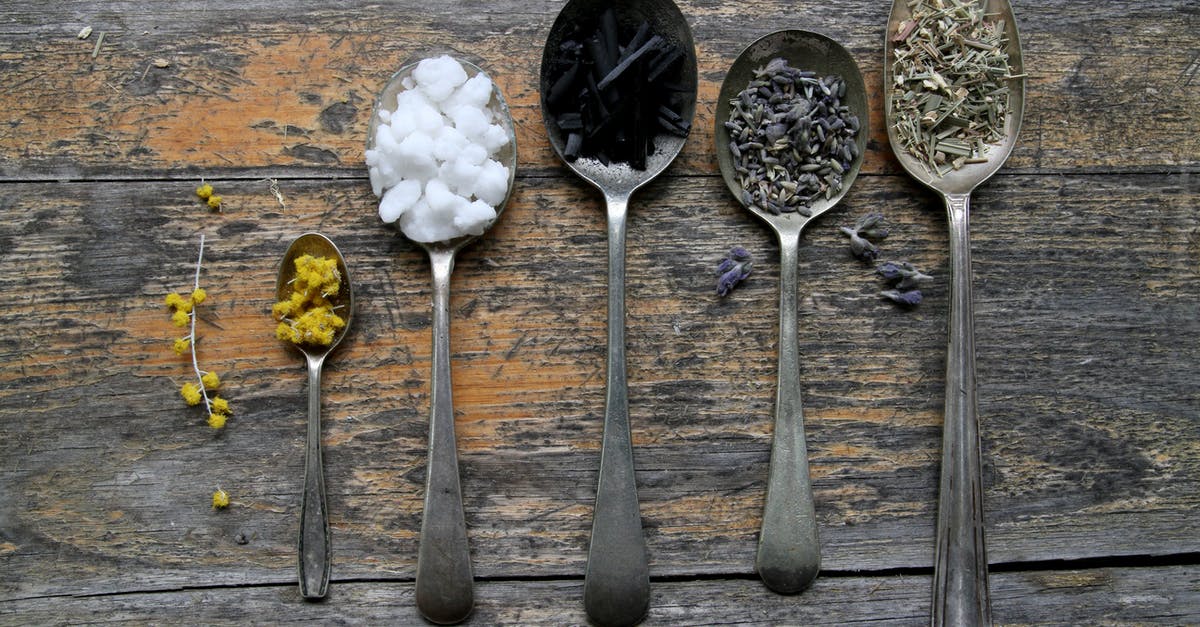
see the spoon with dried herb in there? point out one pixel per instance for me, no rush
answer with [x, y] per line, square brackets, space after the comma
[618, 93]
[790, 135]
[954, 95]
[313, 309]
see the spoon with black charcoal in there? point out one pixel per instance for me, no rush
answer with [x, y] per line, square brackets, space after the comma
[790, 135]
[618, 93]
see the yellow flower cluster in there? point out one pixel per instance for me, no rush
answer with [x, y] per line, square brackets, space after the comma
[205, 192]
[194, 393]
[307, 316]
[220, 499]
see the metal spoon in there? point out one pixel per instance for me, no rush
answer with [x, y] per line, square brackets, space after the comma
[789, 552]
[444, 581]
[313, 545]
[960, 588]
[617, 581]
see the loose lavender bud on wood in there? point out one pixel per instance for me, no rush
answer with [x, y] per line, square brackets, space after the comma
[910, 298]
[903, 275]
[870, 226]
[733, 269]
[860, 247]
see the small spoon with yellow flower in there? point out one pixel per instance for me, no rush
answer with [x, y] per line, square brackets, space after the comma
[314, 304]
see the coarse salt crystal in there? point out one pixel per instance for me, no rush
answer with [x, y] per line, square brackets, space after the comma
[431, 160]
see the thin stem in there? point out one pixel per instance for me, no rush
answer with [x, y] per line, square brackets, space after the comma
[192, 333]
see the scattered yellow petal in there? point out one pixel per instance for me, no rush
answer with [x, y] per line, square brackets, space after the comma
[220, 499]
[191, 393]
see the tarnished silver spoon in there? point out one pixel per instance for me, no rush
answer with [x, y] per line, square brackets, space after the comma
[617, 581]
[789, 552]
[960, 588]
[444, 581]
[960, 568]
[313, 545]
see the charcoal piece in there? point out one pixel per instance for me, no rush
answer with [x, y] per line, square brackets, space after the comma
[574, 142]
[570, 122]
[629, 60]
[664, 63]
[563, 85]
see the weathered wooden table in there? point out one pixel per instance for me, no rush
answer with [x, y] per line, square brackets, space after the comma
[1086, 251]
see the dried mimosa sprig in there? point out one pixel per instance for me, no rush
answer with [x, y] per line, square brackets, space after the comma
[185, 316]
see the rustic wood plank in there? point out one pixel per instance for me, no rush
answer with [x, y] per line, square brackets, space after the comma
[1086, 355]
[1055, 597]
[286, 88]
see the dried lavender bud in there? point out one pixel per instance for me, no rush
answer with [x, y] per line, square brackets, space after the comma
[870, 226]
[793, 137]
[866, 227]
[733, 269]
[860, 247]
[903, 275]
[910, 298]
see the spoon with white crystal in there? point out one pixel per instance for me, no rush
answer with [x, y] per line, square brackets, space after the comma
[444, 580]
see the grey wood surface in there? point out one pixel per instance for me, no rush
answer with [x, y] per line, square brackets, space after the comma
[1086, 251]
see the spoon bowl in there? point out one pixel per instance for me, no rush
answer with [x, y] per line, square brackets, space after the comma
[805, 50]
[313, 546]
[507, 155]
[666, 20]
[789, 553]
[617, 580]
[444, 581]
[960, 586]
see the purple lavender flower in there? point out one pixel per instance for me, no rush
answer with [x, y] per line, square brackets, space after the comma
[866, 228]
[903, 275]
[733, 269]
[860, 247]
[911, 298]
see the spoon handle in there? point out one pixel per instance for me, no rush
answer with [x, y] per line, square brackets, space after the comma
[616, 587]
[313, 546]
[789, 551]
[444, 593]
[960, 586]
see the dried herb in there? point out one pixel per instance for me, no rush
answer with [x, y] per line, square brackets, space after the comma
[904, 278]
[902, 275]
[866, 228]
[791, 138]
[911, 298]
[612, 92]
[950, 94]
[733, 269]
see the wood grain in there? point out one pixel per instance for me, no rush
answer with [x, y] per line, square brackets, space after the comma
[287, 88]
[1064, 597]
[106, 465]
[1086, 248]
